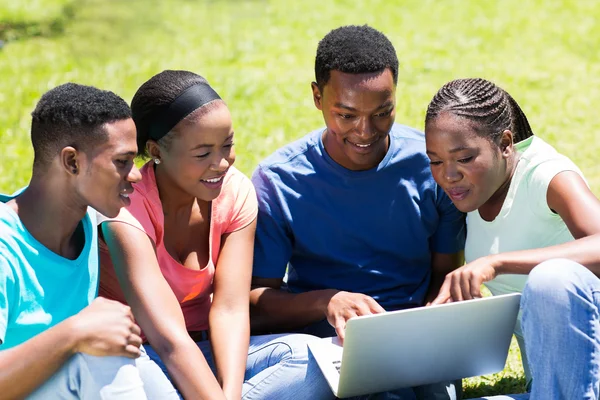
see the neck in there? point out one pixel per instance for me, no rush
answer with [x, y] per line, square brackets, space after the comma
[172, 198]
[51, 213]
[492, 207]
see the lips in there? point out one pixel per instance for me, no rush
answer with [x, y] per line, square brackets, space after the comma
[457, 194]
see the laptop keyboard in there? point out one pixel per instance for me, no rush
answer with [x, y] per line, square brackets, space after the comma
[338, 365]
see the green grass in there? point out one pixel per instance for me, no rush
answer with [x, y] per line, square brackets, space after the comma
[259, 56]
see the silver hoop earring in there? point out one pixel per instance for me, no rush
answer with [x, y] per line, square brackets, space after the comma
[156, 161]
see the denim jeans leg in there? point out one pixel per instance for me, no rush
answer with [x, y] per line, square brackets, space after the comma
[281, 367]
[562, 331]
[94, 378]
[278, 367]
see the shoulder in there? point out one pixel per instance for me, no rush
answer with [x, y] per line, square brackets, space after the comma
[409, 142]
[11, 229]
[404, 132]
[236, 183]
[297, 152]
[543, 162]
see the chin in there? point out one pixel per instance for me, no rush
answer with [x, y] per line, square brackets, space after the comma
[465, 207]
[109, 212]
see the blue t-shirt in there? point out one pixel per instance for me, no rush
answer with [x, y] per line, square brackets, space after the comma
[369, 232]
[39, 288]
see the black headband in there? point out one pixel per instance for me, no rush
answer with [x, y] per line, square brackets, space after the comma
[187, 102]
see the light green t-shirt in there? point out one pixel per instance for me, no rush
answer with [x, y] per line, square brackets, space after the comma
[525, 220]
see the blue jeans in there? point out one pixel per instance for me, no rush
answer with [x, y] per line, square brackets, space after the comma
[278, 367]
[104, 378]
[561, 325]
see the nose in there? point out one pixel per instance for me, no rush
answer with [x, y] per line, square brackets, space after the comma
[134, 175]
[451, 173]
[366, 127]
[220, 164]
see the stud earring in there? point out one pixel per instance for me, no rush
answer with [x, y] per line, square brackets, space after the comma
[156, 161]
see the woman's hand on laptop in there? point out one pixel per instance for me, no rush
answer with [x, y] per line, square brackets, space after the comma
[344, 305]
[465, 282]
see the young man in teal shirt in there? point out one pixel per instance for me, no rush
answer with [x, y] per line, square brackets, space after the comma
[56, 339]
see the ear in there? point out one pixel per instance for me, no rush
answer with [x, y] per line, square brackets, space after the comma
[70, 160]
[317, 97]
[153, 149]
[506, 144]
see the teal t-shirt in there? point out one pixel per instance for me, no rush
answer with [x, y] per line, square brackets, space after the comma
[39, 288]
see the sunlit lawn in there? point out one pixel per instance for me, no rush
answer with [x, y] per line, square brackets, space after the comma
[259, 56]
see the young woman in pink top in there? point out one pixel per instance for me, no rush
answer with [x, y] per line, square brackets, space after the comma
[181, 253]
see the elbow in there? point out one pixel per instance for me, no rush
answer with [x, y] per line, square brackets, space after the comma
[165, 345]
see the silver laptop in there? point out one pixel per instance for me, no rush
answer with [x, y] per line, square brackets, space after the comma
[419, 346]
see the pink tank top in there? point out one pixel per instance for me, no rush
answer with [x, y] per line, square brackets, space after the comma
[235, 208]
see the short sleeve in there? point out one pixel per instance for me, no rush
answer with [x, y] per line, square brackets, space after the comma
[245, 207]
[539, 178]
[450, 234]
[7, 288]
[273, 243]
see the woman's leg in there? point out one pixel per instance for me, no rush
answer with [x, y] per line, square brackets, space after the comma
[562, 330]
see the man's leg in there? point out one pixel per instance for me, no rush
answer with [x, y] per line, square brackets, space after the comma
[95, 378]
[281, 367]
[524, 396]
[562, 331]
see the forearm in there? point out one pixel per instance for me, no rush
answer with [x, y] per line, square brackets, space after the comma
[27, 366]
[276, 310]
[189, 370]
[229, 338]
[584, 251]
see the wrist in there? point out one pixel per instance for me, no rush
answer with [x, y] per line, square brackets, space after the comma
[323, 300]
[497, 263]
[73, 335]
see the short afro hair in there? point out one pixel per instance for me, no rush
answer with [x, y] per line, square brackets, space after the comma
[354, 49]
[73, 115]
[160, 90]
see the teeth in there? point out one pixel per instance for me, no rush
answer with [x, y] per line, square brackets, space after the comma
[125, 195]
[214, 180]
[362, 145]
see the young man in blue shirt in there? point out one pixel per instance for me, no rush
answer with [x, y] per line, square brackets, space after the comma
[351, 210]
[56, 339]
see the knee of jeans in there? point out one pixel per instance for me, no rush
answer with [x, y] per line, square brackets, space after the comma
[296, 346]
[553, 277]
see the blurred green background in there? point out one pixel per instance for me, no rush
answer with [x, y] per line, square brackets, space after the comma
[259, 56]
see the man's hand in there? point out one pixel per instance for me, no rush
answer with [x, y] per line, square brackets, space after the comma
[107, 328]
[465, 282]
[344, 305]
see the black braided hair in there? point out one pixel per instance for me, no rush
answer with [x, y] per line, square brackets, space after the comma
[491, 109]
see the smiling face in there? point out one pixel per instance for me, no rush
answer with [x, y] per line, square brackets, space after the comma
[199, 154]
[470, 168]
[359, 110]
[107, 170]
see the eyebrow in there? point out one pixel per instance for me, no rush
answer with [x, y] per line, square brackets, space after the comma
[344, 106]
[454, 150]
[204, 145]
[127, 153]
